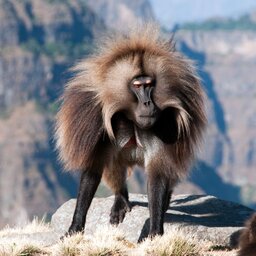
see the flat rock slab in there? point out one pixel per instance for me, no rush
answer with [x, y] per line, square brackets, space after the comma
[41, 238]
[202, 217]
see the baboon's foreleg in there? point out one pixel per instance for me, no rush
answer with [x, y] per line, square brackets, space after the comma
[159, 194]
[89, 182]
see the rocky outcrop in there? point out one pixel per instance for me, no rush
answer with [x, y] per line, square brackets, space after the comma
[205, 218]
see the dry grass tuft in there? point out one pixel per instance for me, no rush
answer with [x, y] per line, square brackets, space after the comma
[12, 242]
[69, 246]
[173, 243]
[22, 250]
[30, 250]
[35, 226]
[106, 241]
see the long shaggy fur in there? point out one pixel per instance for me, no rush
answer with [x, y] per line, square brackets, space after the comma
[100, 89]
[247, 241]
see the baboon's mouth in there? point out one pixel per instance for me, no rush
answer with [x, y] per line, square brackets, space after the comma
[145, 122]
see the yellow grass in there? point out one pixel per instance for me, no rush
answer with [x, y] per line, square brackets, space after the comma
[35, 226]
[107, 241]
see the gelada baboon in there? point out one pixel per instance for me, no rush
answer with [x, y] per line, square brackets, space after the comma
[247, 240]
[136, 101]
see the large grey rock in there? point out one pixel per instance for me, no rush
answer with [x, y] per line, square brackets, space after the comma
[203, 217]
[47, 238]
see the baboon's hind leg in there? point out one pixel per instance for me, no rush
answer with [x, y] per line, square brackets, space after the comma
[116, 179]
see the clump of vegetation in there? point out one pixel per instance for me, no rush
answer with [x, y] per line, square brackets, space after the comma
[50, 108]
[171, 244]
[58, 49]
[248, 195]
[4, 114]
[22, 248]
[30, 250]
[219, 248]
[106, 241]
[56, 1]
[36, 226]
[71, 246]
[243, 23]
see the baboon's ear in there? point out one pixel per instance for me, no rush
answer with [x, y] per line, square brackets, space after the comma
[79, 128]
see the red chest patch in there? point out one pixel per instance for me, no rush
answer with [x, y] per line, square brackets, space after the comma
[131, 142]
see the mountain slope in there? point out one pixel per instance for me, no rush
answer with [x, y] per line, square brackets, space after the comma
[226, 62]
[120, 14]
[39, 40]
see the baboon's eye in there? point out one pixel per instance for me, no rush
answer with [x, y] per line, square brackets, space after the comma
[148, 83]
[136, 84]
[145, 81]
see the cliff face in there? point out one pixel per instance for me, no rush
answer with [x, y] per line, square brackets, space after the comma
[120, 14]
[39, 40]
[29, 183]
[226, 63]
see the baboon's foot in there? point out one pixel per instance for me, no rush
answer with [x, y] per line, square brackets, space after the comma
[119, 209]
[73, 229]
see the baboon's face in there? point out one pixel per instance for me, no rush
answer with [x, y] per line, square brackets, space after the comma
[145, 112]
